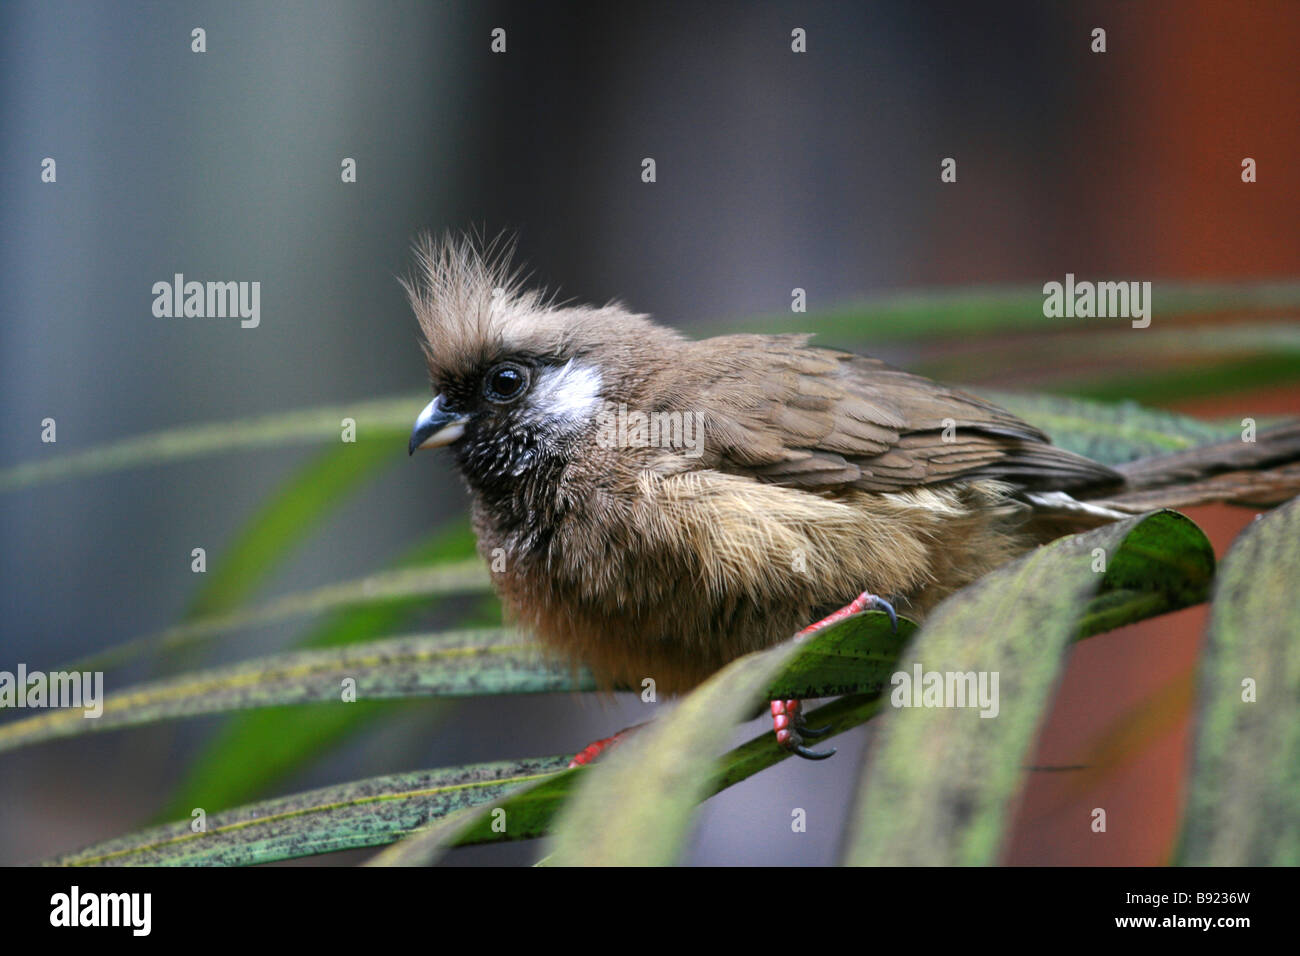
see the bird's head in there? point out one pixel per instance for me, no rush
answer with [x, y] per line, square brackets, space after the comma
[518, 380]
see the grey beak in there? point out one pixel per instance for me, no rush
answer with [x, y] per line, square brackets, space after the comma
[436, 427]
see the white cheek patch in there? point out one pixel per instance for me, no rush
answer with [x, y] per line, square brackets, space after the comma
[567, 395]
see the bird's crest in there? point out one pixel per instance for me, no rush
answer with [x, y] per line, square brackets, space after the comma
[469, 299]
[474, 308]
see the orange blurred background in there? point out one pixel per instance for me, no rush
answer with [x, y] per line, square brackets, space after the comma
[1214, 76]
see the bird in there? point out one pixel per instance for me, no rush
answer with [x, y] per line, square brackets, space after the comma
[661, 505]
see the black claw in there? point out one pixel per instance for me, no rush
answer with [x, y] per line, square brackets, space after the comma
[880, 604]
[815, 731]
[807, 754]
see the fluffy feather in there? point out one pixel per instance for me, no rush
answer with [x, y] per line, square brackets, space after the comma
[822, 474]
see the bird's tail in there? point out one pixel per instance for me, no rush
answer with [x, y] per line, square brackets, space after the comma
[1258, 473]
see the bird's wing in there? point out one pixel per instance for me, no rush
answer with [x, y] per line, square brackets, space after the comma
[782, 411]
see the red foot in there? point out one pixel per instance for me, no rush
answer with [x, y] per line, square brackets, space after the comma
[787, 715]
[863, 602]
[787, 722]
[593, 750]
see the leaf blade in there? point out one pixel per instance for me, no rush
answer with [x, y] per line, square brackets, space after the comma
[450, 664]
[364, 813]
[959, 773]
[383, 418]
[1244, 799]
[285, 520]
[635, 806]
[255, 747]
[399, 585]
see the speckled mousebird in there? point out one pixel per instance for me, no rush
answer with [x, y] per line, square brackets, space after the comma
[667, 560]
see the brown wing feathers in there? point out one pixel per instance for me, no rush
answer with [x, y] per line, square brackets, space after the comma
[819, 419]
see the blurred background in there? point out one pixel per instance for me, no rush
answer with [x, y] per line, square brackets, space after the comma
[775, 170]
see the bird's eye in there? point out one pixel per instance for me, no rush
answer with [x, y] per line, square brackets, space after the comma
[505, 382]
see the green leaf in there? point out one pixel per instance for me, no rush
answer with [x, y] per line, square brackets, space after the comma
[529, 811]
[958, 773]
[980, 310]
[530, 803]
[532, 812]
[1116, 604]
[424, 807]
[1120, 600]
[364, 813]
[286, 519]
[254, 748]
[454, 664]
[450, 664]
[1164, 563]
[1111, 433]
[1193, 381]
[378, 419]
[424, 847]
[464, 577]
[1244, 804]
[1167, 362]
[282, 523]
[427, 845]
[856, 656]
[636, 805]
